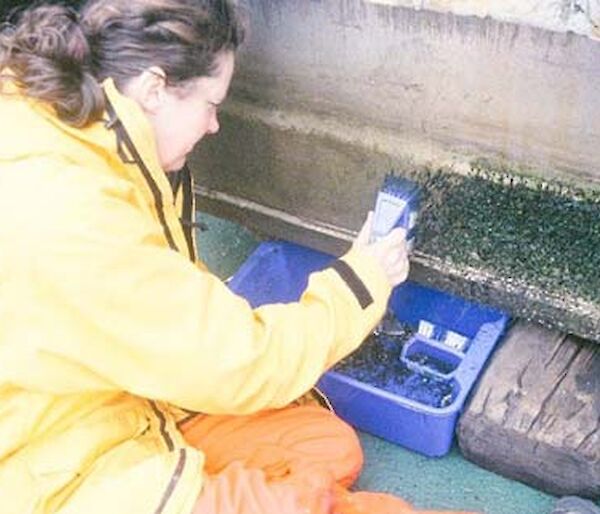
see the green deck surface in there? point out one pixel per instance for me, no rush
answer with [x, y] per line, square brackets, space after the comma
[450, 482]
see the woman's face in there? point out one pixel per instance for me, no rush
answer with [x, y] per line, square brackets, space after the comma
[182, 117]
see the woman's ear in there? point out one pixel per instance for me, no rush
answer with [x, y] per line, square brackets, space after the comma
[148, 89]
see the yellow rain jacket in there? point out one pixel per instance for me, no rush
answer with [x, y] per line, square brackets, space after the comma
[110, 329]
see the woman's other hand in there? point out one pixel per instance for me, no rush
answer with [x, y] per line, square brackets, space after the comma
[390, 251]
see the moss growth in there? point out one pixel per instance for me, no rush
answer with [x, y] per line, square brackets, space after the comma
[545, 234]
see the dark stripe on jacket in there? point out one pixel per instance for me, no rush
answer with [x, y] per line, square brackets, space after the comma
[177, 179]
[163, 426]
[187, 222]
[173, 482]
[354, 283]
[124, 138]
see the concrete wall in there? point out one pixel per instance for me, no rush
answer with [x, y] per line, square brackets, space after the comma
[578, 16]
[441, 87]
[331, 94]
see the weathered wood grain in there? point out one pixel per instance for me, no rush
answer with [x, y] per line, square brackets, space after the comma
[535, 414]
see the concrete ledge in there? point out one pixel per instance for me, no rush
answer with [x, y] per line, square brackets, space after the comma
[520, 299]
[313, 189]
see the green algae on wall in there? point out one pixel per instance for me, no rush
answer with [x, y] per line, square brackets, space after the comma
[545, 234]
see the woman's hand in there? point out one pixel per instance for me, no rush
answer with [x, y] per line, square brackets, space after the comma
[390, 251]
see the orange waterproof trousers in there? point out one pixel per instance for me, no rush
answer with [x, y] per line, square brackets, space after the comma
[298, 460]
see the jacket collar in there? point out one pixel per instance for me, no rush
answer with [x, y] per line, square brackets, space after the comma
[36, 130]
[140, 131]
[137, 150]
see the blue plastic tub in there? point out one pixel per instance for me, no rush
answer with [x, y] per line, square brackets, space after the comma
[451, 342]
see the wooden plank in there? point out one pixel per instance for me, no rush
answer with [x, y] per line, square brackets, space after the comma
[535, 414]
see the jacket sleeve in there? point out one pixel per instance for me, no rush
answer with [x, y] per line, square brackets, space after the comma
[120, 308]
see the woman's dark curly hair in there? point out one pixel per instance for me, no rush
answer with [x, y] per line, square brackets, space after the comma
[61, 56]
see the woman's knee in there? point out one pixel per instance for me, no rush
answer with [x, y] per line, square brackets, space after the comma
[285, 441]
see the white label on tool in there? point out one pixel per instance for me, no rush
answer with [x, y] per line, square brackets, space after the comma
[389, 209]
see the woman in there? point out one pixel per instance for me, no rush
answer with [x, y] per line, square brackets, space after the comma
[112, 335]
